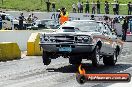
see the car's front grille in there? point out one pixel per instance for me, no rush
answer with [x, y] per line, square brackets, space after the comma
[64, 38]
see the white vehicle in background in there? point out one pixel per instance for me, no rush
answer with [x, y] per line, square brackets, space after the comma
[9, 22]
[44, 24]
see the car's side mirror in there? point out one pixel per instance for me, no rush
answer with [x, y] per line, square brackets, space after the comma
[113, 33]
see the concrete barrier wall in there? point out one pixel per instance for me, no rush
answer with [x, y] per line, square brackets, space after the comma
[33, 48]
[9, 51]
[18, 36]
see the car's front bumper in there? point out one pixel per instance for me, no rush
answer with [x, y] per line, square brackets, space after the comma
[75, 48]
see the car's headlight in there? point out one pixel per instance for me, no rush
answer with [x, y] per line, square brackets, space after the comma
[49, 39]
[46, 38]
[83, 39]
[52, 39]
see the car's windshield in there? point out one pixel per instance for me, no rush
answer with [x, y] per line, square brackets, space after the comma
[50, 22]
[82, 26]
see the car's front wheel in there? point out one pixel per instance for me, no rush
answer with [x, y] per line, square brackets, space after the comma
[46, 59]
[111, 60]
[96, 57]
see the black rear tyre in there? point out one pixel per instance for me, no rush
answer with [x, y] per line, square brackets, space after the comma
[111, 60]
[46, 59]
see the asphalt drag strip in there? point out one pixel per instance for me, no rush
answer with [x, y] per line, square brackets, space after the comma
[30, 71]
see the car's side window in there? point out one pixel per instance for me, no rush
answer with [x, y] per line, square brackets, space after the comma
[108, 30]
[103, 29]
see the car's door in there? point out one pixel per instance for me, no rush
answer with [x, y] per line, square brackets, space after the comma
[110, 40]
[102, 38]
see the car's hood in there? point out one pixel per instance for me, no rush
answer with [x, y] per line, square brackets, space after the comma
[74, 33]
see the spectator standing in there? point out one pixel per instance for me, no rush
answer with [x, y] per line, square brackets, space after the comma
[87, 7]
[129, 8]
[21, 19]
[34, 18]
[74, 8]
[125, 27]
[29, 19]
[117, 8]
[93, 7]
[106, 7]
[98, 7]
[114, 7]
[48, 5]
[53, 7]
[79, 6]
[0, 22]
[63, 16]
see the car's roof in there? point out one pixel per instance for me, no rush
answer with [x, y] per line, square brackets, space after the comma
[3, 14]
[77, 23]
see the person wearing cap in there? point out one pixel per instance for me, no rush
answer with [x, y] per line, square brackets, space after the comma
[63, 16]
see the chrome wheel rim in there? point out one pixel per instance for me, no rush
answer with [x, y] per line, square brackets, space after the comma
[115, 57]
[97, 55]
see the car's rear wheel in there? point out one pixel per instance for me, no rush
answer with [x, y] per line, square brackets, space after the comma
[75, 60]
[111, 60]
[96, 57]
[46, 59]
